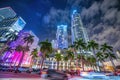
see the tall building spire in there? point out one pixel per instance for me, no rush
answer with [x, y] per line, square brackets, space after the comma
[77, 29]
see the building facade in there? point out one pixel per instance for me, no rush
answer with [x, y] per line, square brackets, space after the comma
[15, 56]
[9, 23]
[77, 29]
[62, 36]
[7, 12]
[54, 44]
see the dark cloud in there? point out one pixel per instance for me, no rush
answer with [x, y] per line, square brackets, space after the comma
[106, 27]
[100, 17]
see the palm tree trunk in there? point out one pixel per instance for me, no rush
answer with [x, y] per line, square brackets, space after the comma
[70, 64]
[31, 63]
[96, 59]
[82, 64]
[42, 63]
[21, 60]
[57, 65]
[112, 63]
[103, 66]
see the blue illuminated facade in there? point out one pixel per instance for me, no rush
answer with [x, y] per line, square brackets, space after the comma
[77, 29]
[62, 36]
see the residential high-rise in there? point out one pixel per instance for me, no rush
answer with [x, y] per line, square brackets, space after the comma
[77, 29]
[9, 22]
[6, 12]
[62, 36]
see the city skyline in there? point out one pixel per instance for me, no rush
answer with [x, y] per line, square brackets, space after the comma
[101, 26]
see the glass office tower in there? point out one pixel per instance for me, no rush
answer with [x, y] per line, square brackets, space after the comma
[62, 36]
[77, 29]
[9, 22]
[6, 12]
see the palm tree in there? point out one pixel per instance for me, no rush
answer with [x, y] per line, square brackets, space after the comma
[10, 37]
[108, 52]
[58, 58]
[46, 47]
[79, 57]
[65, 58]
[29, 39]
[34, 55]
[94, 46]
[91, 60]
[24, 49]
[70, 55]
[81, 46]
[101, 58]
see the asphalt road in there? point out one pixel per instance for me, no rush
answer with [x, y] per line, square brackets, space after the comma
[19, 76]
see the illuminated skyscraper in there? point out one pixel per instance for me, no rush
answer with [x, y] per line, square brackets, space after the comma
[9, 22]
[6, 12]
[77, 29]
[62, 36]
[54, 44]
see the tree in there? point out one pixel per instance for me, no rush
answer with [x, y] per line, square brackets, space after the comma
[81, 57]
[81, 46]
[46, 47]
[94, 46]
[101, 58]
[58, 58]
[24, 49]
[65, 58]
[70, 55]
[91, 60]
[29, 39]
[11, 36]
[34, 55]
[108, 52]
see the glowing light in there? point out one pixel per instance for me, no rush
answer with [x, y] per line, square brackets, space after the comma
[74, 11]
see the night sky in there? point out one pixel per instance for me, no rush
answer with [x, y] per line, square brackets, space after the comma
[101, 18]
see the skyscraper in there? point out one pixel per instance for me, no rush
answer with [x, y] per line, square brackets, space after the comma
[62, 36]
[9, 22]
[77, 29]
[6, 12]
[54, 44]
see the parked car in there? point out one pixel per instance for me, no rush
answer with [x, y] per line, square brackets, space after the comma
[57, 74]
[23, 69]
[44, 73]
[109, 73]
[36, 71]
[10, 69]
[5, 68]
[117, 73]
[1, 67]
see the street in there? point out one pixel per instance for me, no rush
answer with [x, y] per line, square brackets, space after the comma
[28, 76]
[19, 76]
